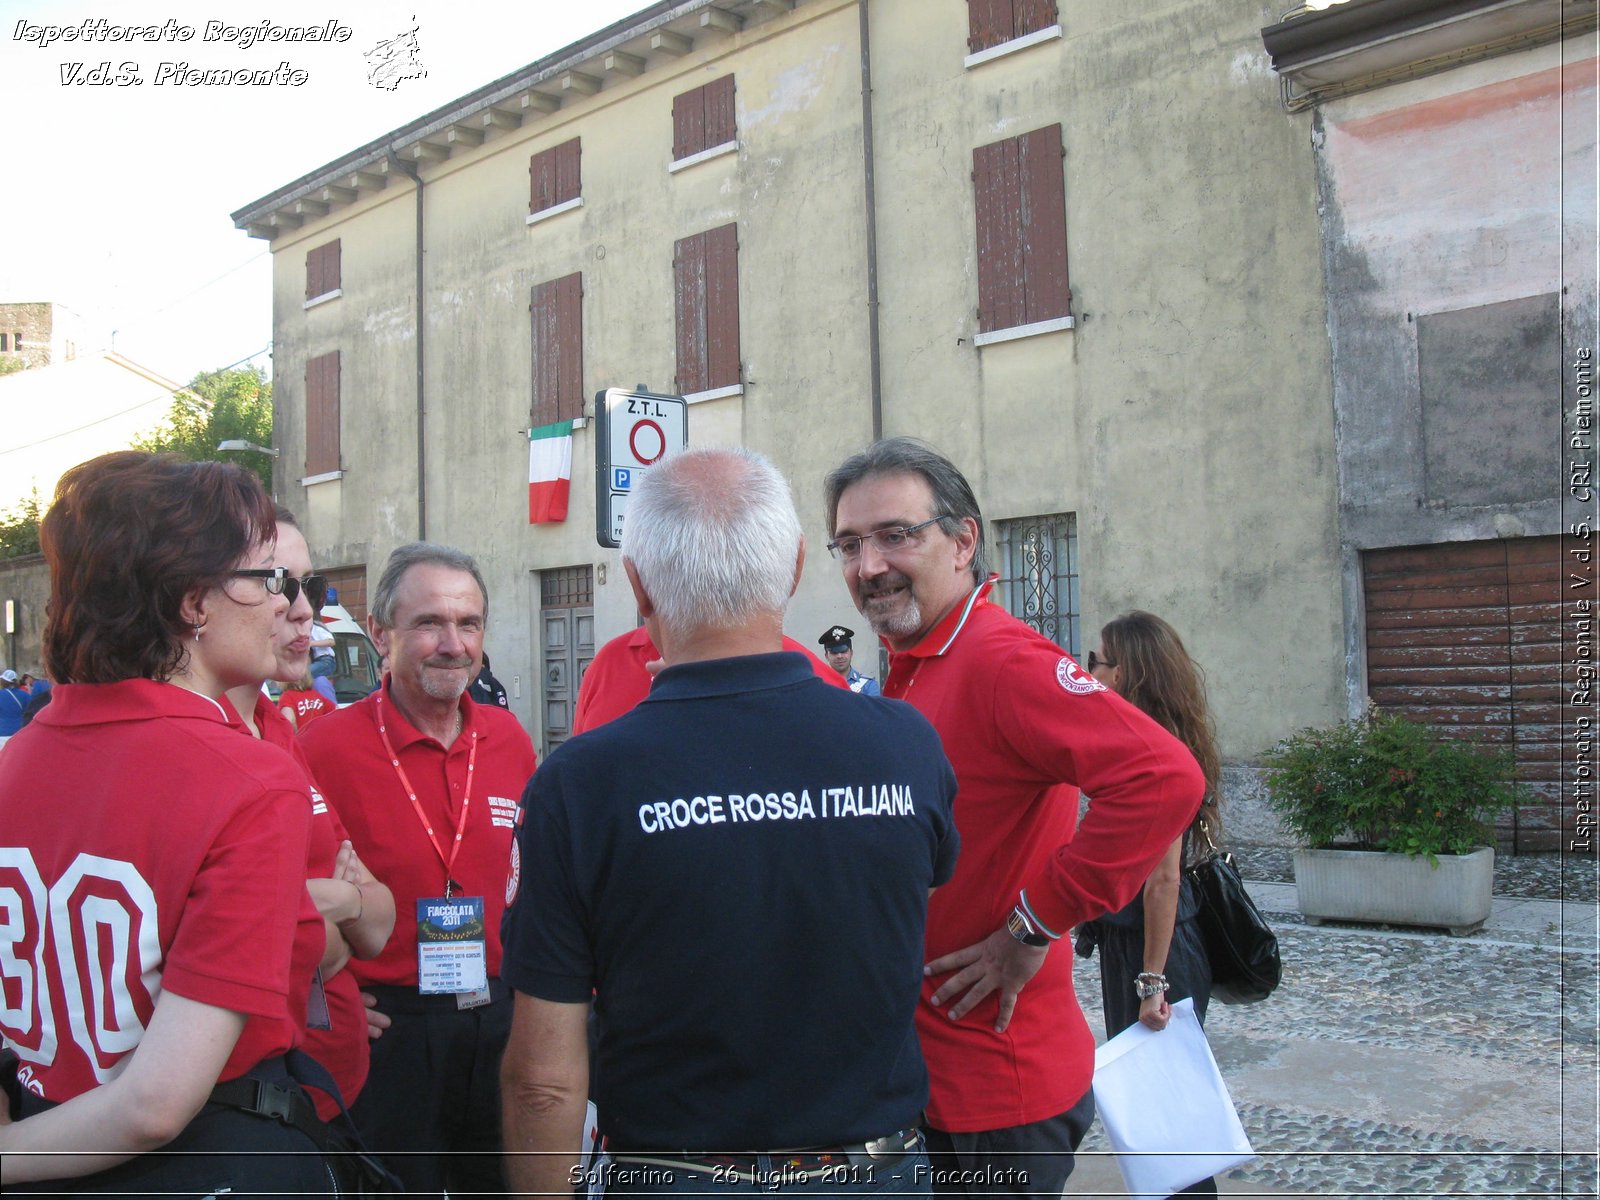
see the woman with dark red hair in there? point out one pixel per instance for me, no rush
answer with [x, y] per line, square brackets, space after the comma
[158, 941]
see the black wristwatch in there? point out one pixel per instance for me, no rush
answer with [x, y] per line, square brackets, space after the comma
[1019, 927]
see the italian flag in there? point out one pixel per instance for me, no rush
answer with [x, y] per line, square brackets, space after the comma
[549, 472]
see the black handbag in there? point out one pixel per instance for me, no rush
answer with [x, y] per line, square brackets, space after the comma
[1242, 949]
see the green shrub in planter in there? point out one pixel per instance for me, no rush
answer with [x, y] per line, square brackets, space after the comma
[1381, 782]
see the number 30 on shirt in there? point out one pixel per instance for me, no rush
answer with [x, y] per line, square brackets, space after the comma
[99, 919]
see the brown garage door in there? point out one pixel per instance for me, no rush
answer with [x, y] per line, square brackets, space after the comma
[1466, 637]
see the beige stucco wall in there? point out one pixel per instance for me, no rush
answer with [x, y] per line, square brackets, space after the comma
[794, 188]
[1186, 420]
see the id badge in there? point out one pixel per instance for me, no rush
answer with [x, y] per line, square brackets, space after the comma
[452, 955]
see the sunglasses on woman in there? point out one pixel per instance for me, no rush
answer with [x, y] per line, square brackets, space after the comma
[279, 582]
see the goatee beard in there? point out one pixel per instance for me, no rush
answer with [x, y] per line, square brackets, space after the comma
[897, 625]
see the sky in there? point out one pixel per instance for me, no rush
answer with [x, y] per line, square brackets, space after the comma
[114, 198]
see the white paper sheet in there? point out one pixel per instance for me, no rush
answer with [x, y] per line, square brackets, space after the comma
[1165, 1108]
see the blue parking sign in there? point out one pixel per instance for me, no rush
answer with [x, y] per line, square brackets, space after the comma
[622, 479]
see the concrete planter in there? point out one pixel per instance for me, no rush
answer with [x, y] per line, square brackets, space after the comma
[1395, 889]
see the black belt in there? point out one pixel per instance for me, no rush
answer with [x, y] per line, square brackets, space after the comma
[792, 1165]
[394, 998]
[282, 1102]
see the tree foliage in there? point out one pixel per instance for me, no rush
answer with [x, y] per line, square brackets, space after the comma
[10, 365]
[19, 528]
[232, 403]
[235, 402]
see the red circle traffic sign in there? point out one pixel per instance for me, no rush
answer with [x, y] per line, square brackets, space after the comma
[633, 442]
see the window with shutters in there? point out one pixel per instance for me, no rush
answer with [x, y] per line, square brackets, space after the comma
[322, 417]
[706, 288]
[997, 27]
[703, 123]
[555, 183]
[558, 349]
[1038, 566]
[322, 273]
[1020, 200]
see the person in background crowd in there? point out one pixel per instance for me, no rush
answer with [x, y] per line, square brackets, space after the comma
[1024, 728]
[42, 688]
[13, 703]
[835, 643]
[486, 689]
[163, 595]
[1151, 952]
[701, 937]
[357, 910]
[427, 782]
[623, 669]
[324, 661]
[301, 702]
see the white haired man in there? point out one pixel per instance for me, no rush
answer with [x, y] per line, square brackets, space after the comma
[737, 870]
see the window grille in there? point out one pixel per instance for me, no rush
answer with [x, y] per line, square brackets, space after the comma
[567, 587]
[1038, 563]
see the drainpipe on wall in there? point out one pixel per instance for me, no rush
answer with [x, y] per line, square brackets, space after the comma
[870, 187]
[415, 175]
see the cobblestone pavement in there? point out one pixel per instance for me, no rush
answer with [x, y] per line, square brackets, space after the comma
[1411, 1064]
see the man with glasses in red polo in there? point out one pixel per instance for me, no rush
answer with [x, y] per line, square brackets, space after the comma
[1025, 728]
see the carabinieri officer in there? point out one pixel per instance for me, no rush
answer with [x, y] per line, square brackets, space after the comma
[835, 643]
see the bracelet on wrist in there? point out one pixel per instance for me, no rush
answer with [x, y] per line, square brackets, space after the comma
[1149, 983]
[361, 905]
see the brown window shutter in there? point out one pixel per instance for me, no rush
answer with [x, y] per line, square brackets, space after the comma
[1043, 226]
[568, 179]
[989, 23]
[1030, 16]
[689, 292]
[997, 200]
[719, 112]
[722, 306]
[569, 355]
[541, 181]
[322, 414]
[313, 272]
[332, 265]
[546, 349]
[689, 123]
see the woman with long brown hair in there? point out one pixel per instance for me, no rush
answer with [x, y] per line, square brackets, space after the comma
[1151, 951]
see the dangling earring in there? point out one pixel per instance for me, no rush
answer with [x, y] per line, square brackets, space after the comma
[197, 628]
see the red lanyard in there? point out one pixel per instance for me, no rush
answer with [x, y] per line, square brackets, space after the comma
[466, 801]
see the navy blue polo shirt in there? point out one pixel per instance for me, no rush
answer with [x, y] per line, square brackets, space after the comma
[738, 870]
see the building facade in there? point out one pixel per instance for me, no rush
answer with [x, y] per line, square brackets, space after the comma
[1455, 159]
[38, 333]
[1075, 247]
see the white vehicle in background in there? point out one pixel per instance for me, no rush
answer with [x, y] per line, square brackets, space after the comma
[355, 673]
[355, 670]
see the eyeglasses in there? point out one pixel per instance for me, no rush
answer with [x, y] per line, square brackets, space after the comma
[279, 582]
[1093, 662]
[896, 537]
